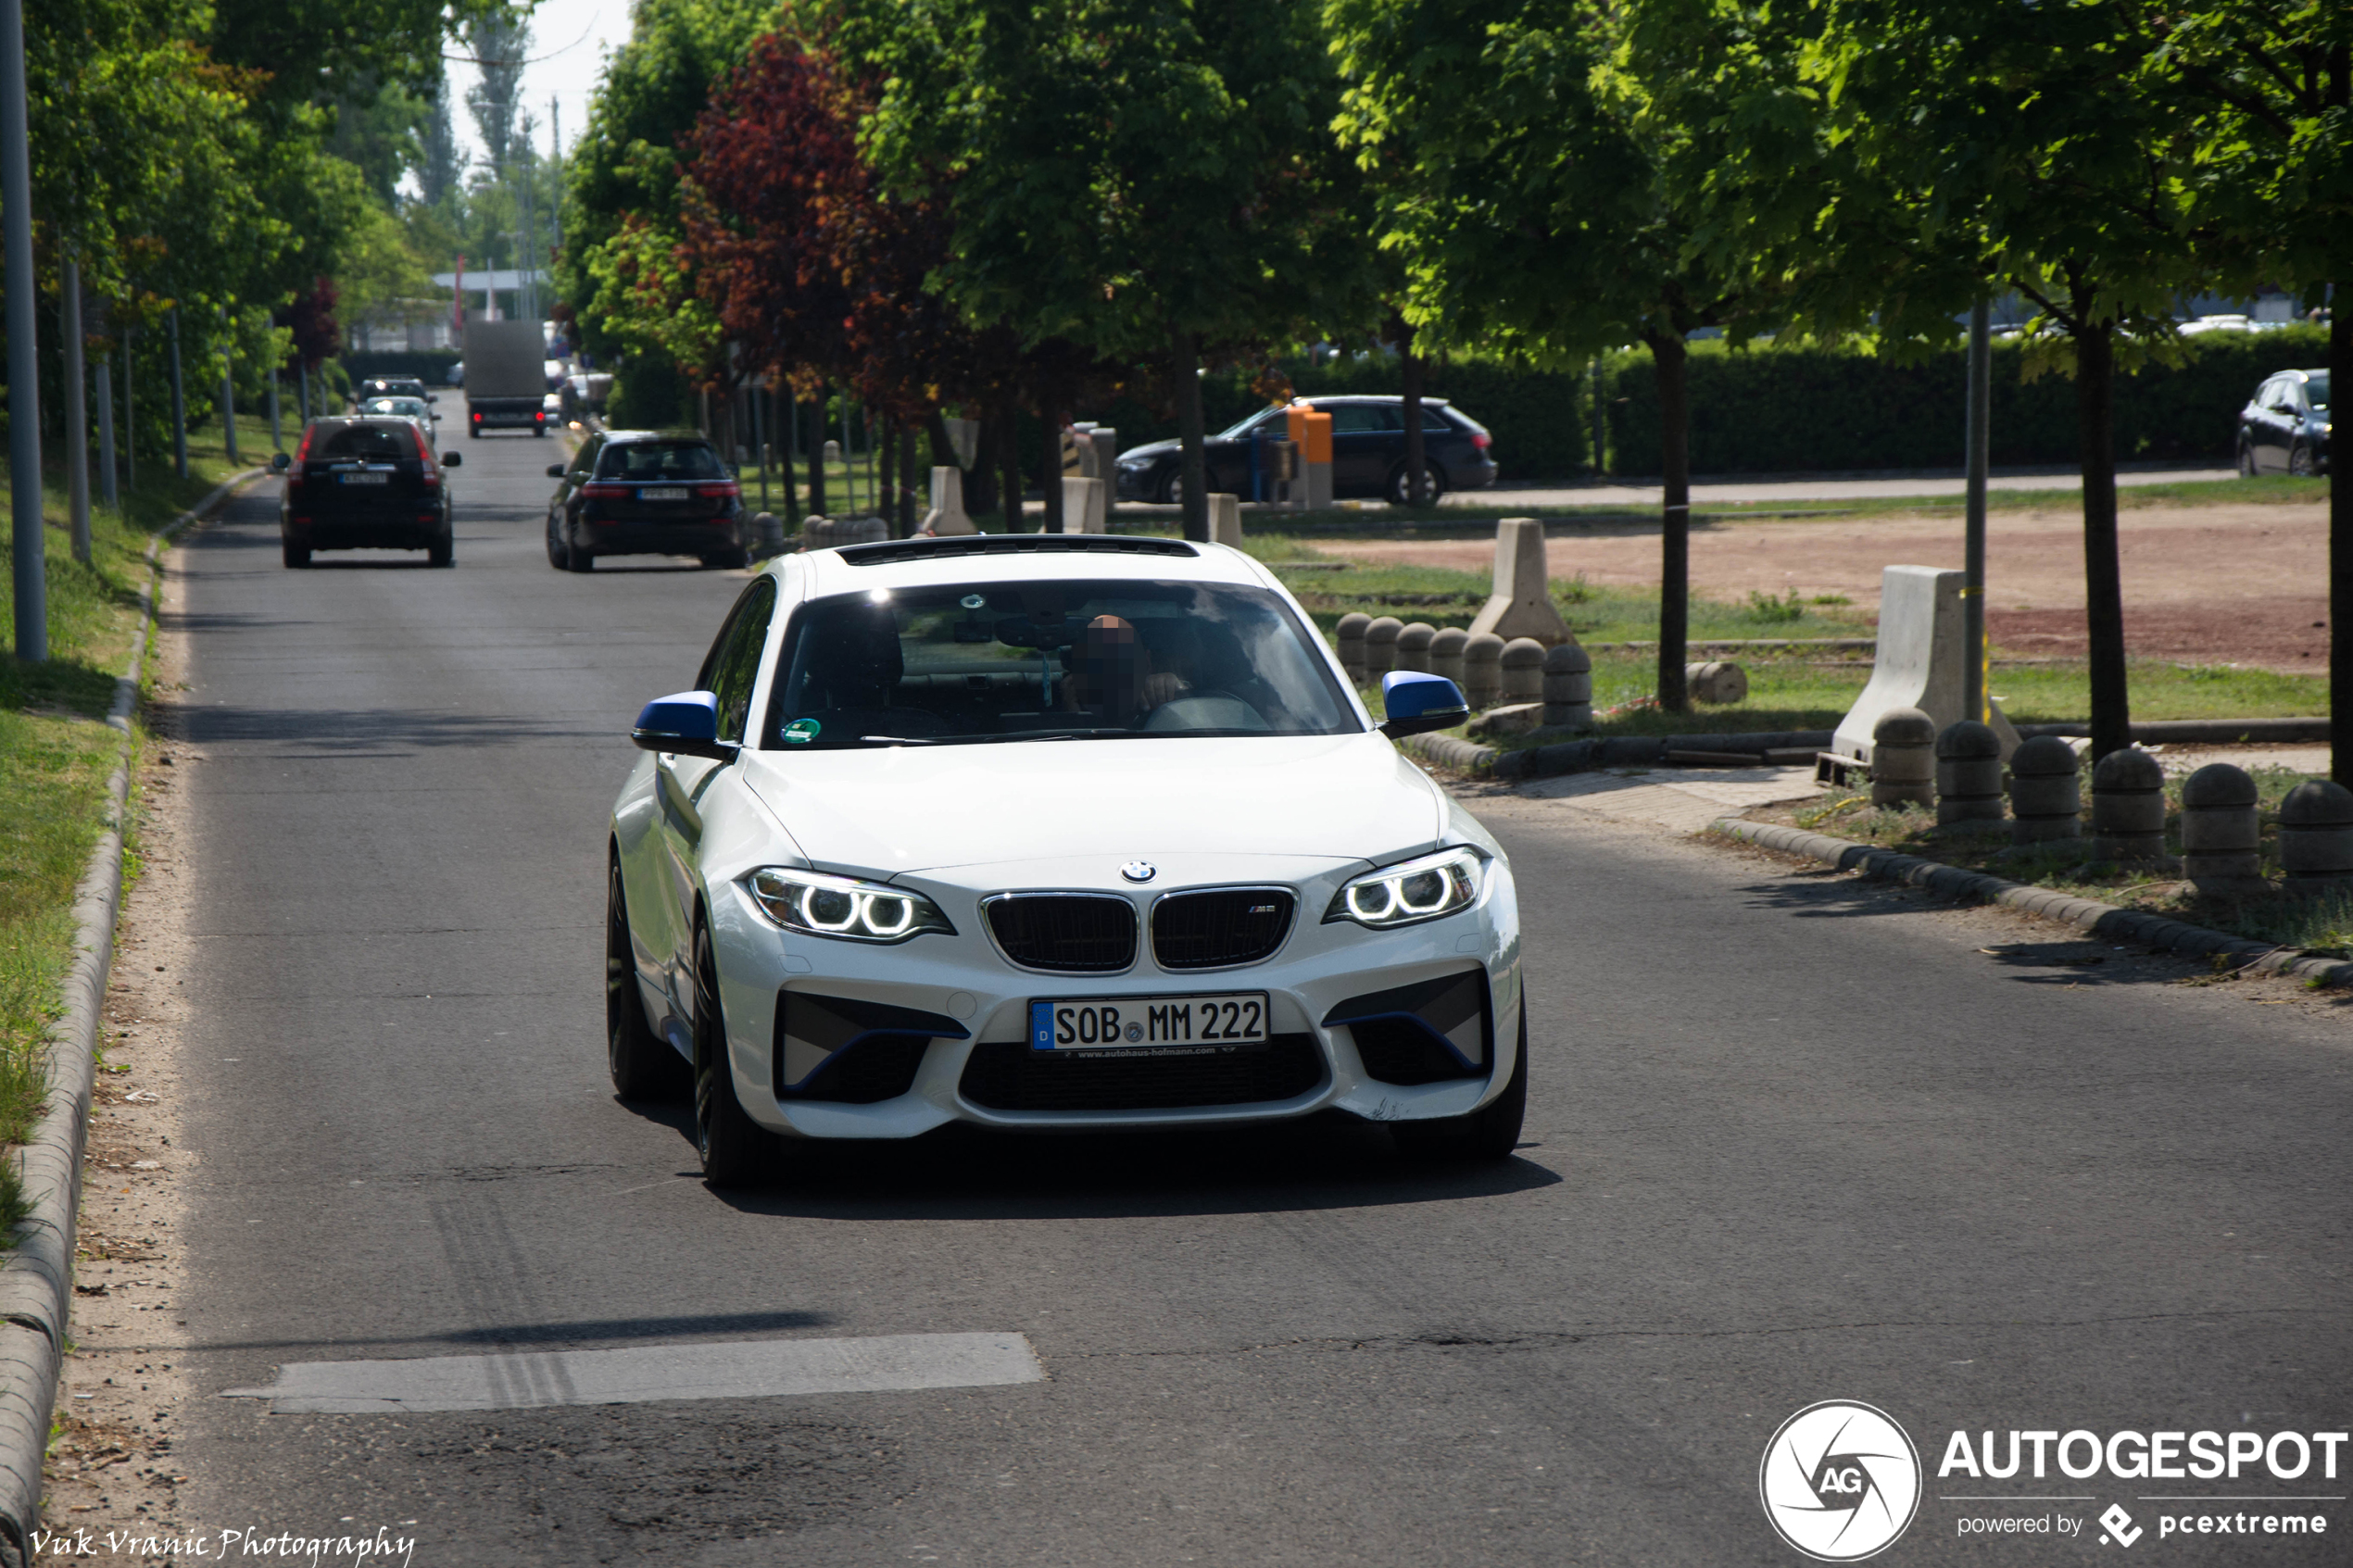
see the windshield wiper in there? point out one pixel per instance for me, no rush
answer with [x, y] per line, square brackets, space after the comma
[904, 740]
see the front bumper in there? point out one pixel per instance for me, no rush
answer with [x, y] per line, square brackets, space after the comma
[962, 983]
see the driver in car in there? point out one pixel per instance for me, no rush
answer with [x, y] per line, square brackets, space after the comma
[1111, 675]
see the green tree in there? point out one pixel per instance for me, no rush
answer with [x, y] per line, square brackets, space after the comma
[1148, 178]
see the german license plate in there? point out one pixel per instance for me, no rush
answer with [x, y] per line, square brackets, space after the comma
[1153, 1025]
[364, 478]
[663, 492]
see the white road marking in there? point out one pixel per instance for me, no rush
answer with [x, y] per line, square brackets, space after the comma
[734, 1369]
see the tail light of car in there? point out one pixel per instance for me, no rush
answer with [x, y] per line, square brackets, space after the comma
[301, 456]
[424, 455]
[1481, 440]
[605, 490]
[726, 492]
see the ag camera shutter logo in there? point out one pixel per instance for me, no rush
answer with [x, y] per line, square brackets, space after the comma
[1840, 1481]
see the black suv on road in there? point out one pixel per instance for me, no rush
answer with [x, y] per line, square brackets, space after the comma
[364, 485]
[1368, 453]
[645, 493]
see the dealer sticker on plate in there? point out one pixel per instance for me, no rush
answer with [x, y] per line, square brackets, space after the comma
[1150, 1023]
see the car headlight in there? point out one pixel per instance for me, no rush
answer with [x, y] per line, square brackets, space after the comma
[818, 905]
[1424, 889]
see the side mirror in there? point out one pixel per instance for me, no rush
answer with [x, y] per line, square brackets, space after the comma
[453, 459]
[1417, 702]
[281, 463]
[688, 724]
[555, 470]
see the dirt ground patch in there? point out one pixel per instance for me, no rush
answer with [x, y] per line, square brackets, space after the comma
[2243, 584]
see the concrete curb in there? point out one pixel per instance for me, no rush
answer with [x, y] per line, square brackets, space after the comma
[2090, 915]
[36, 1278]
[1589, 755]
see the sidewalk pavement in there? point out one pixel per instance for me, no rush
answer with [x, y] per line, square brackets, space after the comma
[1680, 799]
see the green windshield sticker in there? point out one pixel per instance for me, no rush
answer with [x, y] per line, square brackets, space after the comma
[801, 731]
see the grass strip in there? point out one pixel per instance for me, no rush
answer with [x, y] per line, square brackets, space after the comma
[56, 753]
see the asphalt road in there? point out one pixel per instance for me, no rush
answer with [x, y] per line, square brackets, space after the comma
[1788, 1141]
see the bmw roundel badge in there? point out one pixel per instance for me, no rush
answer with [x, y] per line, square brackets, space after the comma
[1139, 870]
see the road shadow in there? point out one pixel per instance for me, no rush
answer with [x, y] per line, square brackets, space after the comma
[572, 1333]
[350, 729]
[962, 1172]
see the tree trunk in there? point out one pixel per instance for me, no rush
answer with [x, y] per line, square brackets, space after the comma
[882, 438]
[2103, 583]
[2340, 555]
[1675, 518]
[980, 480]
[1409, 365]
[1184, 375]
[1008, 451]
[1050, 478]
[910, 481]
[816, 455]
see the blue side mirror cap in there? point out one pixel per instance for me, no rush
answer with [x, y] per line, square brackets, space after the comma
[685, 723]
[1417, 702]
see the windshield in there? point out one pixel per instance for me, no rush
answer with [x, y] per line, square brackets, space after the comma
[1263, 416]
[1058, 660]
[2316, 389]
[659, 459]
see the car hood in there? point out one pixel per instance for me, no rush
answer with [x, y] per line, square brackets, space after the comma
[889, 812]
[1151, 449]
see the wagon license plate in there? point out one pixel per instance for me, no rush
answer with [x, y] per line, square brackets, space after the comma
[1154, 1025]
[663, 492]
[364, 478]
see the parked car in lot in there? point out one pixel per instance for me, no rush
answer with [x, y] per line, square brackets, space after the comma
[365, 484]
[1235, 903]
[645, 493]
[2286, 426]
[1368, 452]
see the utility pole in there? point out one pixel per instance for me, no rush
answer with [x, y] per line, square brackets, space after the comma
[277, 439]
[179, 401]
[555, 160]
[1979, 439]
[28, 550]
[77, 412]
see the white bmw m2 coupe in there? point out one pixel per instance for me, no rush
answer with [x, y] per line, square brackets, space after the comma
[1049, 833]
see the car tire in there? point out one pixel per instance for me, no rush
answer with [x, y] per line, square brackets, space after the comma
[2299, 461]
[1397, 487]
[442, 552]
[2246, 459]
[1488, 1133]
[642, 1064]
[297, 556]
[1170, 492]
[736, 1150]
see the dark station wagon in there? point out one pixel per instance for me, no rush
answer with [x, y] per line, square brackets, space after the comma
[364, 485]
[1368, 452]
[645, 493]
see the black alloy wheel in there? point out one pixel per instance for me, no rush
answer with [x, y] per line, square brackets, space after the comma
[2247, 459]
[2299, 461]
[1488, 1133]
[1172, 488]
[1398, 491]
[442, 551]
[736, 1150]
[558, 555]
[642, 1064]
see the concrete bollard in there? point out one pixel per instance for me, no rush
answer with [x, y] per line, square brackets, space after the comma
[1482, 670]
[1349, 636]
[2128, 808]
[1523, 670]
[2316, 836]
[1904, 758]
[1381, 644]
[1717, 682]
[1413, 645]
[832, 533]
[768, 537]
[1225, 519]
[1568, 687]
[1968, 775]
[1446, 653]
[1083, 506]
[1521, 602]
[2046, 791]
[946, 514]
[2221, 831]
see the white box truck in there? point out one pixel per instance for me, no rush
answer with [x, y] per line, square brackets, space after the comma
[506, 377]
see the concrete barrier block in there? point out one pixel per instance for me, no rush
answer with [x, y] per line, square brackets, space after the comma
[1568, 686]
[1717, 682]
[1083, 506]
[2128, 808]
[2221, 833]
[1446, 653]
[2316, 836]
[1412, 644]
[1920, 661]
[1483, 668]
[1349, 637]
[1225, 521]
[946, 515]
[768, 537]
[2047, 800]
[832, 533]
[1381, 644]
[1520, 603]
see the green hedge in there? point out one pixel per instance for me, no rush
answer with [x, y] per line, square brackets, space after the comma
[1766, 410]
